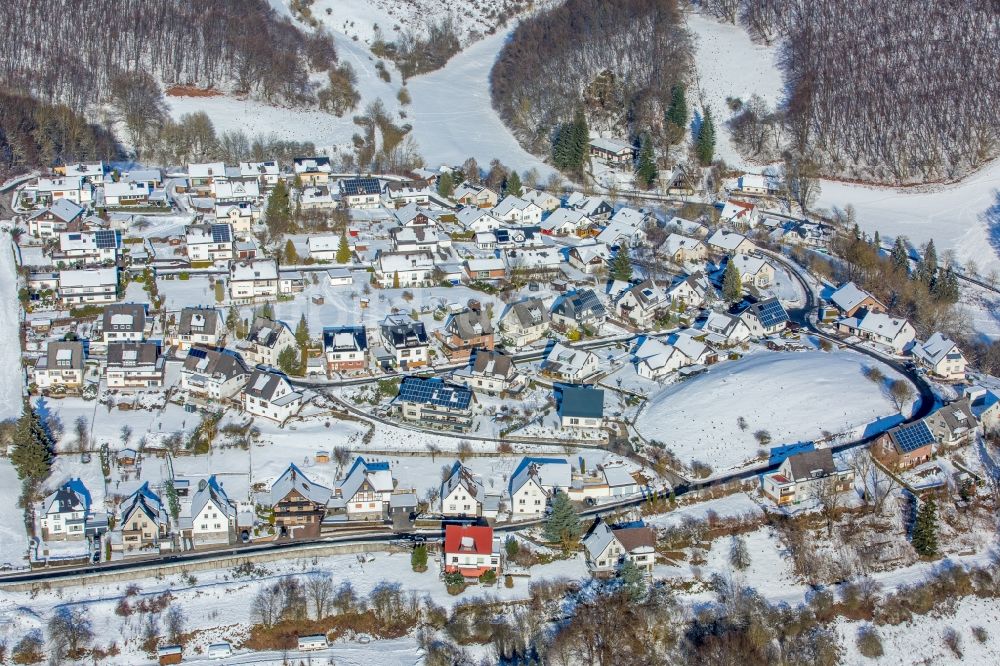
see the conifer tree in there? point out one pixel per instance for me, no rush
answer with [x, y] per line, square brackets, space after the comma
[678, 113]
[705, 146]
[646, 171]
[302, 331]
[927, 267]
[291, 255]
[732, 284]
[446, 184]
[563, 524]
[925, 530]
[267, 310]
[32, 453]
[343, 250]
[395, 280]
[514, 184]
[621, 265]
[632, 580]
[278, 211]
[900, 257]
[877, 241]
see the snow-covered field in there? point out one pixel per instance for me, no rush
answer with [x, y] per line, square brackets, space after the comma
[729, 64]
[10, 341]
[794, 396]
[13, 538]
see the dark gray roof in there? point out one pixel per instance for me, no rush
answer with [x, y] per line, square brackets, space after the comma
[265, 332]
[434, 391]
[769, 312]
[262, 384]
[345, 338]
[911, 437]
[354, 186]
[580, 306]
[124, 317]
[469, 324]
[530, 312]
[64, 355]
[199, 320]
[492, 363]
[400, 333]
[803, 465]
[582, 402]
[121, 354]
[214, 363]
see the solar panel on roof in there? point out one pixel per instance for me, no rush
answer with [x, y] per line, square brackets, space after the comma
[912, 437]
[197, 353]
[106, 238]
[220, 233]
[435, 392]
[771, 313]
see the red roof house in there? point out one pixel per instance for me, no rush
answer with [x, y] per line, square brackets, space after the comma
[471, 550]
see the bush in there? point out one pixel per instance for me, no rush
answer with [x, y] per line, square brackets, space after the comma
[701, 470]
[489, 577]
[455, 582]
[418, 558]
[29, 650]
[980, 634]
[954, 641]
[869, 642]
[508, 582]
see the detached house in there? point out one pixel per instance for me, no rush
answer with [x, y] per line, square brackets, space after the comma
[312, 171]
[252, 280]
[850, 299]
[682, 249]
[431, 401]
[894, 333]
[299, 504]
[581, 407]
[740, 214]
[471, 550]
[134, 365]
[88, 247]
[480, 196]
[565, 221]
[365, 491]
[55, 219]
[266, 174]
[590, 258]
[61, 367]
[463, 494]
[568, 364]
[730, 242]
[213, 375]
[465, 331]
[596, 208]
[123, 194]
[143, 523]
[609, 548]
[64, 513]
[123, 322]
[905, 446]
[486, 269]
[203, 177]
[360, 193]
[88, 287]
[323, 248]
[542, 199]
[941, 357]
[765, 317]
[210, 518]
[270, 396]
[345, 349]
[953, 424]
[726, 330]
[406, 340]
[210, 242]
[265, 341]
[516, 211]
[802, 476]
[199, 326]
[642, 304]
[535, 480]
[477, 220]
[691, 291]
[404, 269]
[524, 322]
[612, 151]
[239, 216]
[753, 270]
[491, 372]
[579, 309]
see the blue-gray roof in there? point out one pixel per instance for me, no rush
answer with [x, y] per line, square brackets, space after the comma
[434, 391]
[770, 313]
[582, 402]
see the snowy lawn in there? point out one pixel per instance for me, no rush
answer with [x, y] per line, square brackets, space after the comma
[13, 537]
[794, 396]
[11, 383]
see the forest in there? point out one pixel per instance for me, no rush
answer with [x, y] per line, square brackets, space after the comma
[890, 92]
[61, 55]
[617, 59]
[33, 133]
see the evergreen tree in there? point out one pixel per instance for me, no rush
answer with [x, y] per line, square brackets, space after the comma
[705, 146]
[267, 310]
[732, 284]
[900, 257]
[302, 331]
[621, 265]
[446, 184]
[581, 140]
[945, 288]
[633, 582]
[677, 114]
[343, 250]
[514, 184]
[563, 524]
[927, 267]
[646, 171]
[277, 214]
[233, 318]
[288, 361]
[877, 242]
[395, 280]
[291, 256]
[925, 530]
[33, 446]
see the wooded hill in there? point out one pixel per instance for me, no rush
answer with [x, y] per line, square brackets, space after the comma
[619, 59]
[895, 92]
[60, 51]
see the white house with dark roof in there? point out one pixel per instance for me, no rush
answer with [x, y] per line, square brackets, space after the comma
[642, 304]
[491, 372]
[265, 340]
[568, 364]
[941, 357]
[894, 333]
[534, 482]
[88, 247]
[212, 374]
[802, 476]
[199, 326]
[61, 366]
[580, 308]
[524, 322]
[345, 349]
[581, 407]
[360, 193]
[594, 207]
[123, 322]
[364, 492]
[270, 396]
[210, 518]
[134, 365]
[209, 242]
[312, 170]
[54, 219]
[609, 548]
[406, 340]
[464, 494]
[63, 515]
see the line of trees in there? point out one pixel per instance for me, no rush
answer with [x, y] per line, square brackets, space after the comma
[618, 59]
[893, 92]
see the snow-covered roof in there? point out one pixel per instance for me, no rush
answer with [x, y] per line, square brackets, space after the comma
[565, 218]
[323, 243]
[727, 240]
[293, 479]
[208, 169]
[610, 145]
[487, 264]
[377, 474]
[935, 349]
[882, 324]
[91, 277]
[849, 296]
[748, 265]
[257, 269]
[677, 242]
[549, 472]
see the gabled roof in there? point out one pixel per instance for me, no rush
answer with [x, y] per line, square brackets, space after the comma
[127, 354]
[565, 360]
[124, 317]
[528, 312]
[263, 385]
[469, 324]
[769, 312]
[908, 438]
[493, 364]
[146, 501]
[882, 324]
[580, 305]
[293, 479]
[471, 539]
[598, 539]
[635, 538]
[936, 349]
[345, 338]
[401, 331]
[727, 240]
[266, 332]
[199, 320]
[63, 210]
[359, 186]
[462, 476]
[548, 472]
[66, 499]
[377, 475]
[849, 296]
[808, 464]
[210, 362]
[212, 492]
